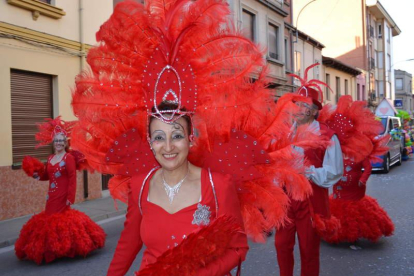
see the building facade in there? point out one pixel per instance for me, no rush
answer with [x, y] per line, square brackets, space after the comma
[268, 23]
[403, 91]
[43, 45]
[356, 32]
[341, 78]
[306, 52]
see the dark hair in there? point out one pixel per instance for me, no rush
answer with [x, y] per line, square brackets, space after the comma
[163, 106]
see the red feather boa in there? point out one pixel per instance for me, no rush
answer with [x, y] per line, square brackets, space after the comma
[197, 251]
[30, 165]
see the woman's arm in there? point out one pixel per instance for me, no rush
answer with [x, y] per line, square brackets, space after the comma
[229, 205]
[130, 242]
[71, 171]
[366, 164]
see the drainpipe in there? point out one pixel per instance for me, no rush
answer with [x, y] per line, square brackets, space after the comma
[82, 45]
[82, 67]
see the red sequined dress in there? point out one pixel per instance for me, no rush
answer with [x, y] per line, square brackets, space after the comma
[358, 132]
[361, 216]
[59, 231]
[160, 231]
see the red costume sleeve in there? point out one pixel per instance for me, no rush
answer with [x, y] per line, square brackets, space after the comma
[45, 175]
[229, 205]
[71, 171]
[366, 164]
[130, 242]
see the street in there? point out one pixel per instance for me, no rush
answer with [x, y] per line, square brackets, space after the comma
[393, 256]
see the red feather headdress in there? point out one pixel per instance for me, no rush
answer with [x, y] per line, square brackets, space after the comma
[49, 129]
[311, 88]
[186, 52]
[356, 128]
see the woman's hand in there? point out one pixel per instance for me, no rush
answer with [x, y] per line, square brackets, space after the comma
[36, 176]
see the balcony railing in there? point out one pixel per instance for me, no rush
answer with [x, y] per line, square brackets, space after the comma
[274, 55]
[373, 95]
[371, 63]
[371, 31]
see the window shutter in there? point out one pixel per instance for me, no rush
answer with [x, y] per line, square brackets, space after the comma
[31, 102]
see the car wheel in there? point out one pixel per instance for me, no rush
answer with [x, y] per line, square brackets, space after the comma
[399, 160]
[386, 166]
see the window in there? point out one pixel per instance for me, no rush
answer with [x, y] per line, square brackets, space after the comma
[379, 31]
[316, 70]
[358, 93]
[388, 34]
[287, 55]
[338, 88]
[363, 92]
[380, 60]
[381, 89]
[298, 62]
[388, 62]
[346, 87]
[31, 102]
[399, 84]
[273, 35]
[46, 1]
[327, 91]
[249, 24]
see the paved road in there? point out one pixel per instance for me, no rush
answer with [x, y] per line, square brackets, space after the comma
[392, 256]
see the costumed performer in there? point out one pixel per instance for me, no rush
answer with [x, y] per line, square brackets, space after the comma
[58, 231]
[167, 74]
[358, 132]
[311, 216]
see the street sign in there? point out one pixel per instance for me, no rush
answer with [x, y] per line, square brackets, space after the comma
[398, 103]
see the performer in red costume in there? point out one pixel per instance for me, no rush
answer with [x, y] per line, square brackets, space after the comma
[172, 80]
[310, 216]
[360, 215]
[58, 231]
[168, 204]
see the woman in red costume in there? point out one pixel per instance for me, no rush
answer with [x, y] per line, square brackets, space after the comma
[166, 205]
[360, 215]
[170, 108]
[58, 231]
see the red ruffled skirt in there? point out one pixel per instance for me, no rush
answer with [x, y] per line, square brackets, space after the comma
[359, 219]
[67, 234]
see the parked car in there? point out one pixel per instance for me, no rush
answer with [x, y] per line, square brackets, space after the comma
[392, 126]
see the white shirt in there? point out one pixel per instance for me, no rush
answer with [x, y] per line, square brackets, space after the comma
[332, 167]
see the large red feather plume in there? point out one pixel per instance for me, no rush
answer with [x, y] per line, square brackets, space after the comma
[356, 128]
[113, 98]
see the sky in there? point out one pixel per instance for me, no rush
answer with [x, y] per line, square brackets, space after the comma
[401, 12]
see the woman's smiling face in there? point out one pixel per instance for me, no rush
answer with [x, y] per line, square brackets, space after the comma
[170, 142]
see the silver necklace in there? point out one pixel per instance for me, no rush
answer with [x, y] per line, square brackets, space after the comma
[173, 191]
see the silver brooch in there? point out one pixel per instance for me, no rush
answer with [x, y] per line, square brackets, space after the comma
[202, 215]
[57, 174]
[62, 163]
[348, 168]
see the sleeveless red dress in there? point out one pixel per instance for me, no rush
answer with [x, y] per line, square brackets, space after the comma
[59, 231]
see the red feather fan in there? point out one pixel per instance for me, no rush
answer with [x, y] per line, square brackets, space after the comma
[30, 165]
[195, 252]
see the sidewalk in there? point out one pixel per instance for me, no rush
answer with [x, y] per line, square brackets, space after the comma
[97, 209]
